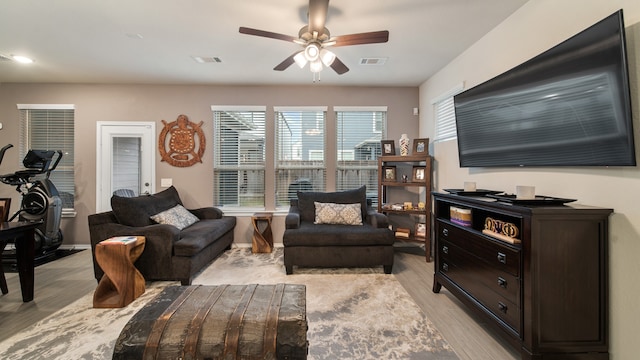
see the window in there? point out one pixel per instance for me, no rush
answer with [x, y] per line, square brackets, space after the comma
[359, 132]
[445, 116]
[239, 156]
[300, 156]
[51, 127]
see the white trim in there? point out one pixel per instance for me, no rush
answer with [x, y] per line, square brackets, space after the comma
[360, 108]
[454, 91]
[299, 108]
[99, 129]
[238, 108]
[46, 106]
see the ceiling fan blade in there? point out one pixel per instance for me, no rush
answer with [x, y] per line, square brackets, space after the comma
[339, 66]
[286, 63]
[267, 34]
[362, 38]
[318, 15]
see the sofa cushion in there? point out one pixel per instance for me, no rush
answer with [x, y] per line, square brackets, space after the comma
[177, 216]
[137, 211]
[309, 234]
[307, 207]
[330, 213]
[198, 236]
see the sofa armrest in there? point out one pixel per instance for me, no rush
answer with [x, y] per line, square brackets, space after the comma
[207, 213]
[159, 241]
[292, 221]
[376, 219]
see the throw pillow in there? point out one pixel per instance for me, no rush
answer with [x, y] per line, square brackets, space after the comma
[330, 213]
[306, 201]
[136, 211]
[177, 216]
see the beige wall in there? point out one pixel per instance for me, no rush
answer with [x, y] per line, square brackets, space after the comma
[95, 103]
[536, 27]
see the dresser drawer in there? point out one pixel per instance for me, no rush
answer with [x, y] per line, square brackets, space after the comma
[502, 257]
[500, 282]
[465, 276]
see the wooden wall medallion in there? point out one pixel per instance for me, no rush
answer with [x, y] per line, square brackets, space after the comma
[181, 142]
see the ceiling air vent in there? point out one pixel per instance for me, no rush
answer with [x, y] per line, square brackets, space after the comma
[373, 61]
[206, 59]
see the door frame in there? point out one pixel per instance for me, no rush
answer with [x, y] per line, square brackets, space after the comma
[151, 149]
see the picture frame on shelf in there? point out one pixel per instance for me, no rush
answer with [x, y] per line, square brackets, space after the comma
[389, 173]
[388, 147]
[419, 174]
[421, 230]
[421, 146]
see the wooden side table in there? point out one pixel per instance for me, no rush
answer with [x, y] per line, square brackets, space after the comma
[262, 235]
[122, 282]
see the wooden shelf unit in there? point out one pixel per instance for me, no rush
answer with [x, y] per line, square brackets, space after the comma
[421, 160]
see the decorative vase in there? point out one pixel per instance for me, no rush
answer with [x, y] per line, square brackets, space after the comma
[404, 145]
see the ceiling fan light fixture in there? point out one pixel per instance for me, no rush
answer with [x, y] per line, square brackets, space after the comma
[300, 59]
[315, 66]
[312, 52]
[327, 57]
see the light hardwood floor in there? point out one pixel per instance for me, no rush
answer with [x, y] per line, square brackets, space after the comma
[59, 283]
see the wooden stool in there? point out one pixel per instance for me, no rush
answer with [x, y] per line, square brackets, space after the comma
[262, 235]
[122, 282]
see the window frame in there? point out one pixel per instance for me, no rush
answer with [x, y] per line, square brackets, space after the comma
[217, 152]
[25, 141]
[444, 116]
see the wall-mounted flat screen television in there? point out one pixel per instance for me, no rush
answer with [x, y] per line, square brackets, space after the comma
[569, 106]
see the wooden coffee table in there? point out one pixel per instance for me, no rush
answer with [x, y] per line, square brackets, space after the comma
[122, 282]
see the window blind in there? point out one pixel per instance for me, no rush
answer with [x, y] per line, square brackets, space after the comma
[239, 157]
[359, 133]
[445, 115]
[300, 152]
[51, 127]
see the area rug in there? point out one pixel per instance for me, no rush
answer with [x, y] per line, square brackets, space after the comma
[352, 314]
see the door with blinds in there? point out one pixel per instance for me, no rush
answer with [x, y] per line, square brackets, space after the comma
[126, 160]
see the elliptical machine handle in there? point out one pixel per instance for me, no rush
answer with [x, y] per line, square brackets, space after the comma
[55, 164]
[5, 148]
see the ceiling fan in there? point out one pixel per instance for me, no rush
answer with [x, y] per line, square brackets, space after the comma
[315, 38]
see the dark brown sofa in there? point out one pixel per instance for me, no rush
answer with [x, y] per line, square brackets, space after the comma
[170, 253]
[307, 244]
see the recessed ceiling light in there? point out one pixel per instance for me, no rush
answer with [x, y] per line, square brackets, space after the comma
[206, 59]
[22, 59]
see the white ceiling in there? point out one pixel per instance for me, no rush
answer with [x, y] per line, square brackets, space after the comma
[153, 41]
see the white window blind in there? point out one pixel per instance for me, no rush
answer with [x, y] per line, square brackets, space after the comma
[239, 156]
[300, 152]
[445, 116]
[51, 127]
[359, 132]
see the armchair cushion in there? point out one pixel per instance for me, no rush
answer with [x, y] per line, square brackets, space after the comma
[345, 214]
[306, 201]
[137, 211]
[177, 216]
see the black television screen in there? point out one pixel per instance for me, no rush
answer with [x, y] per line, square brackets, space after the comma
[569, 106]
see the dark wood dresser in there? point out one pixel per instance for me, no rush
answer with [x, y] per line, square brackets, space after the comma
[546, 293]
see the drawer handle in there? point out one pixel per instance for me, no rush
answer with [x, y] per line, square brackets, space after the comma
[502, 307]
[445, 232]
[502, 282]
[502, 258]
[445, 267]
[445, 249]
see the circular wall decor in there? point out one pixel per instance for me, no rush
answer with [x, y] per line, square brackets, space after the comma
[181, 142]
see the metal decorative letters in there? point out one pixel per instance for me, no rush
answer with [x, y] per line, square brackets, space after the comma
[185, 141]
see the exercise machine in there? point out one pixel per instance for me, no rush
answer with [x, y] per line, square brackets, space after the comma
[40, 199]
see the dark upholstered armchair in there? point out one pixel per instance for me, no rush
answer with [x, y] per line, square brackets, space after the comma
[334, 243]
[170, 253]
